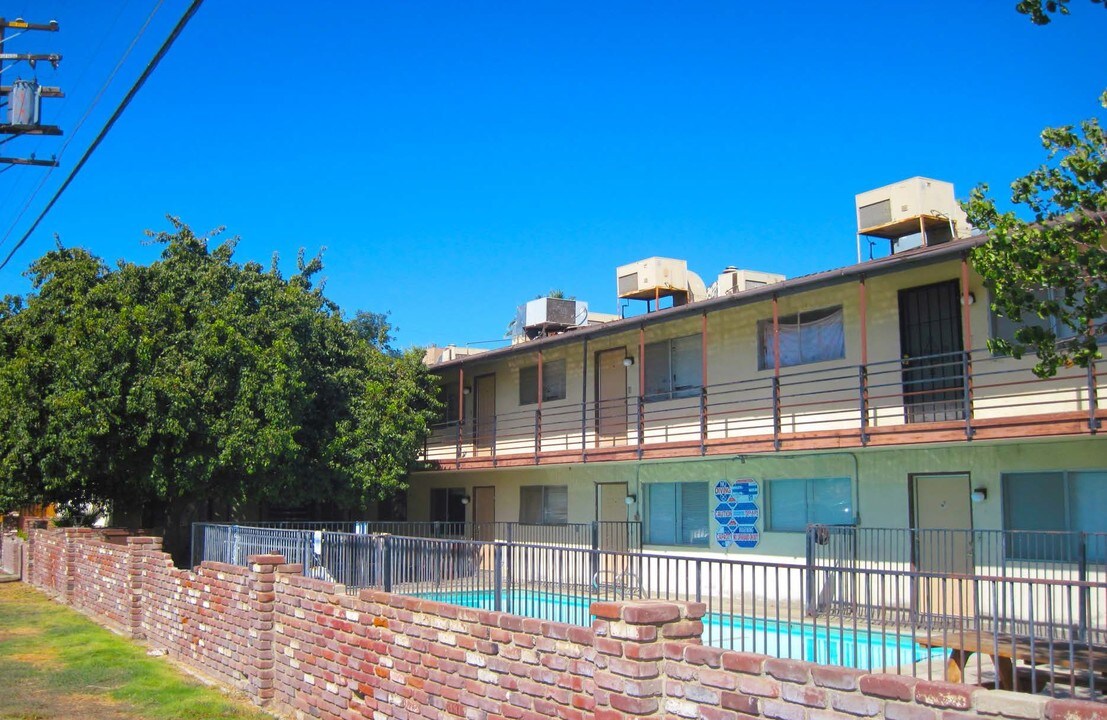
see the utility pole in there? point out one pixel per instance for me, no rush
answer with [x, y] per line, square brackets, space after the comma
[20, 114]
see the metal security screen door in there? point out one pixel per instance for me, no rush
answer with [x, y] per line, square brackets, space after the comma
[931, 347]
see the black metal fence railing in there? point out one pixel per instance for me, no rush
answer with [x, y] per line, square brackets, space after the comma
[597, 534]
[880, 615]
[960, 389]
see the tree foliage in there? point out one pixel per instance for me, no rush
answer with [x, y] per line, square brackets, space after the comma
[1048, 274]
[197, 379]
[1040, 10]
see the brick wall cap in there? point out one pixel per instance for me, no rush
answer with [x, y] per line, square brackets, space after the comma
[266, 559]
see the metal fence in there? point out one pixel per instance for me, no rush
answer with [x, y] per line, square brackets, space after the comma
[881, 617]
[1061, 560]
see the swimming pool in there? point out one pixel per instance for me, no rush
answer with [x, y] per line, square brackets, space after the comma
[828, 645]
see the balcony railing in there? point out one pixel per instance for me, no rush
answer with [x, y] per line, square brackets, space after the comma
[938, 397]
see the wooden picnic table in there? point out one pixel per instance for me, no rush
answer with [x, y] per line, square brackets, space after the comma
[1005, 650]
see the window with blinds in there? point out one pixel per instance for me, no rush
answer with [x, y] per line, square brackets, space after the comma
[674, 368]
[795, 504]
[544, 504]
[676, 514]
[553, 382]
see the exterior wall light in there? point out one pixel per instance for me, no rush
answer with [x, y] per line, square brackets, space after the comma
[979, 494]
[465, 499]
[630, 499]
[628, 361]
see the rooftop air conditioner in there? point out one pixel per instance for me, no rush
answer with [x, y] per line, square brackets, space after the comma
[915, 205]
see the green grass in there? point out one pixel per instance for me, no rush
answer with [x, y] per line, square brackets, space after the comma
[55, 663]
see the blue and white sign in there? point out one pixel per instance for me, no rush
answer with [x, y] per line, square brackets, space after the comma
[737, 513]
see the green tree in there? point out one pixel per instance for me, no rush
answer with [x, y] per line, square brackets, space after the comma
[1048, 274]
[1040, 10]
[197, 383]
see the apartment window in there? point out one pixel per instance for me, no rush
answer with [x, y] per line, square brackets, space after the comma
[447, 505]
[544, 504]
[553, 382]
[795, 504]
[676, 513]
[805, 337]
[674, 368]
[450, 397]
[1004, 328]
[1054, 501]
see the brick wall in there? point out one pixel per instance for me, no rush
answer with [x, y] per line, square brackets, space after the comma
[11, 554]
[306, 648]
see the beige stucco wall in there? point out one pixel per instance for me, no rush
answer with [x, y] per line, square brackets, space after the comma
[881, 475]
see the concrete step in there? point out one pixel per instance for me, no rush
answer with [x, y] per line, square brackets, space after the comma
[5, 578]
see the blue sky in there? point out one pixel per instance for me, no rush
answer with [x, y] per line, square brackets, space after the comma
[458, 159]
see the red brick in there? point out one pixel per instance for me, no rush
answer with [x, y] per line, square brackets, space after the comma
[634, 705]
[858, 705]
[836, 678]
[649, 613]
[782, 710]
[904, 711]
[750, 663]
[1075, 710]
[704, 655]
[682, 629]
[717, 678]
[741, 703]
[606, 610]
[635, 651]
[790, 670]
[944, 695]
[892, 687]
[803, 695]
[608, 713]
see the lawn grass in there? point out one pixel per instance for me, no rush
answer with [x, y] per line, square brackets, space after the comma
[56, 663]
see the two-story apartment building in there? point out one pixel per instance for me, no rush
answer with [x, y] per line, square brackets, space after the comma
[859, 396]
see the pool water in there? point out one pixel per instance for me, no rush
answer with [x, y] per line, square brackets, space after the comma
[833, 645]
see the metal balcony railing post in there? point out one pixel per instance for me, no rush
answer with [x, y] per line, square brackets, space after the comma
[537, 434]
[776, 413]
[495, 427]
[863, 392]
[1093, 398]
[703, 420]
[641, 424]
[966, 378]
[457, 446]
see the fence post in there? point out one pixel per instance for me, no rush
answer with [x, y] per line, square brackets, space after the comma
[1082, 576]
[498, 576]
[386, 561]
[809, 572]
[262, 597]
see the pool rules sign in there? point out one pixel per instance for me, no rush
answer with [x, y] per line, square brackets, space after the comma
[736, 513]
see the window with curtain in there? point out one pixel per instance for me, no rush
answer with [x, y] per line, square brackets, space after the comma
[795, 504]
[805, 337]
[553, 382]
[674, 368]
[544, 504]
[676, 513]
[1069, 501]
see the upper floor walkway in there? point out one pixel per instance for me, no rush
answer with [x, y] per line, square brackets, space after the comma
[948, 397]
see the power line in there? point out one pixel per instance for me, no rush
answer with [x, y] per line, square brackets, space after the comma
[153, 64]
[88, 111]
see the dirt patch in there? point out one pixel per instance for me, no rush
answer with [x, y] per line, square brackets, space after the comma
[38, 657]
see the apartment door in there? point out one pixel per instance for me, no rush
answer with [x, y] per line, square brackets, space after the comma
[942, 525]
[484, 522]
[930, 348]
[610, 572]
[611, 398]
[484, 414]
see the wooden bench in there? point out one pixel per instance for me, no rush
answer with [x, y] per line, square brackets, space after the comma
[1005, 650]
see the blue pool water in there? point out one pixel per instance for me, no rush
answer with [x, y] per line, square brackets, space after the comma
[833, 645]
